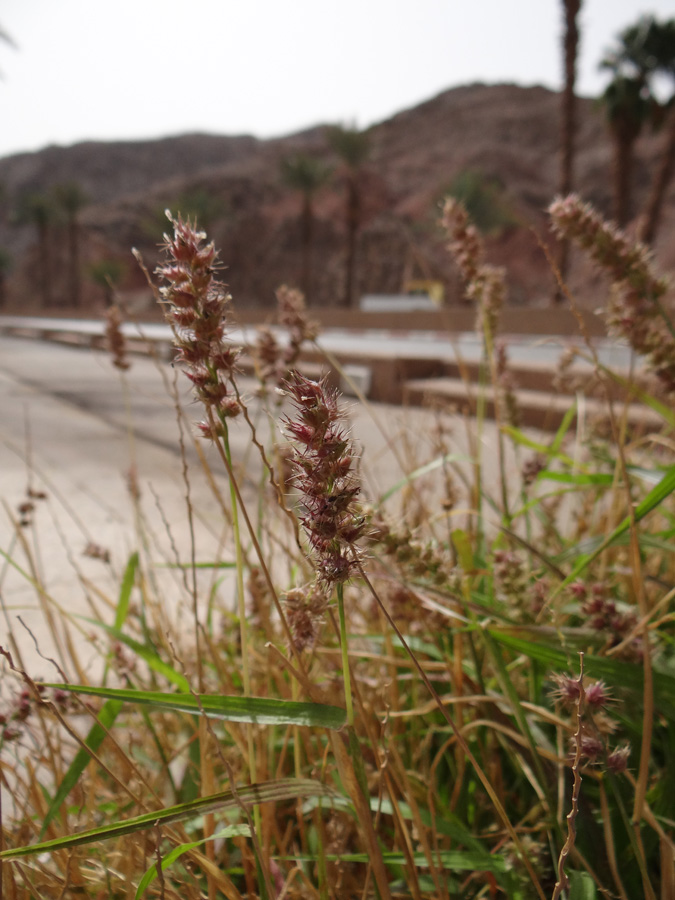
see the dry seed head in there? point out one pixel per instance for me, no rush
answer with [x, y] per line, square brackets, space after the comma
[305, 609]
[633, 309]
[196, 305]
[322, 461]
[465, 243]
[567, 690]
[617, 760]
[592, 747]
[115, 339]
[597, 695]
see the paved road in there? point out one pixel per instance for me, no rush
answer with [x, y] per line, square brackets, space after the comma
[64, 430]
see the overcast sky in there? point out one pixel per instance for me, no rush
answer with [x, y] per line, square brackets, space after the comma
[118, 69]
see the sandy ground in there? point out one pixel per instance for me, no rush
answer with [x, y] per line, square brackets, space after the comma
[65, 432]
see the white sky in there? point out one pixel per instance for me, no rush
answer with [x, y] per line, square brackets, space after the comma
[119, 69]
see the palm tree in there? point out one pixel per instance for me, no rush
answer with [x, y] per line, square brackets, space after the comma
[107, 274]
[305, 174]
[353, 148]
[70, 199]
[5, 266]
[628, 109]
[37, 209]
[571, 10]
[629, 104]
[661, 44]
[651, 217]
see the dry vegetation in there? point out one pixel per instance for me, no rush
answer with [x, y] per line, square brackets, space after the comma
[442, 692]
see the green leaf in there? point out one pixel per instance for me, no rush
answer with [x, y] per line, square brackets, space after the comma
[176, 852]
[459, 860]
[518, 437]
[589, 545]
[220, 564]
[148, 654]
[450, 825]
[637, 392]
[568, 418]
[258, 710]
[249, 795]
[417, 644]
[106, 718]
[125, 591]
[654, 498]
[424, 470]
[544, 644]
[462, 545]
[581, 478]
[582, 886]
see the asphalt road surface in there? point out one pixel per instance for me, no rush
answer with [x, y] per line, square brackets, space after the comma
[72, 429]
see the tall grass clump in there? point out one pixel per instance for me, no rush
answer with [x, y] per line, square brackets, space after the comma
[462, 686]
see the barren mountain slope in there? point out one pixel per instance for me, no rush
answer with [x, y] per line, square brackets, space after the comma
[503, 133]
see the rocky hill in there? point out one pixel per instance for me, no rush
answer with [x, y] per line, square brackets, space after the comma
[500, 140]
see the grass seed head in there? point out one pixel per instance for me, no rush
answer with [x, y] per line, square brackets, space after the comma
[196, 306]
[322, 461]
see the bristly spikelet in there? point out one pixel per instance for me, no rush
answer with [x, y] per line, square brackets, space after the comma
[323, 472]
[196, 305]
[634, 310]
[274, 362]
[485, 285]
[115, 339]
[305, 610]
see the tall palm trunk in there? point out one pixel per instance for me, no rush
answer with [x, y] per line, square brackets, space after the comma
[306, 229]
[624, 141]
[353, 216]
[654, 207]
[569, 120]
[74, 279]
[45, 265]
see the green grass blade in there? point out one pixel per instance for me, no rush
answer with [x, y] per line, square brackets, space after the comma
[125, 591]
[578, 478]
[424, 470]
[249, 795]
[450, 824]
[463, 548]
[197, 565]
[459, 860]
[257, 710]
[643, 396]
[654, 498]
[565, 425]
[177, 852]
[148, 655]
[543, 645]
[582, 886]
[589, 545]
[518, 437]
[106, 718]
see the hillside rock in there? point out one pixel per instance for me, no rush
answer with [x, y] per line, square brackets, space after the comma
[508, 135]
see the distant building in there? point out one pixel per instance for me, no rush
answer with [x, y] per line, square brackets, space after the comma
[418, 294]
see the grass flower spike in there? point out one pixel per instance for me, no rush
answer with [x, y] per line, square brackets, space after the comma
[196, 306]
[635, 310]
[323, 464]
[115, 339]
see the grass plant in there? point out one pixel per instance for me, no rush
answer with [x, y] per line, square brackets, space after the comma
[460, 688]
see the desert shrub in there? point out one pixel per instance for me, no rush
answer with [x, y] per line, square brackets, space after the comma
[485, 199]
